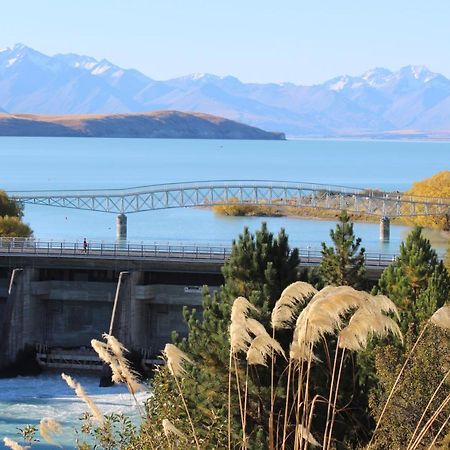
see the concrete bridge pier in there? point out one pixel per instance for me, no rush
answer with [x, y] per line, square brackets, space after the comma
[121, 227]
[385, 225]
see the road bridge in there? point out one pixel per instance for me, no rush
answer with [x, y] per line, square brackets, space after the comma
[30, 249]
[384, 205]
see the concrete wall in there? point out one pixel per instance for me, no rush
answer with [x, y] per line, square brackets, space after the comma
[64, 309]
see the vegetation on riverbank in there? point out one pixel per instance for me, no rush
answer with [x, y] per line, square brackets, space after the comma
[233, 208]
[436, 186]
[11, 213]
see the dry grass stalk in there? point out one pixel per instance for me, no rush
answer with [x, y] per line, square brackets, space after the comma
[175, 359]
[81, 394]
[13, 444]
[441, 319]
[48, 426]
[307, 436]
[429, 423]
[121, 370]
[169, 428]
[113, 356]
[397, 380]
[116, 347]
[284, 310]
[430, 401]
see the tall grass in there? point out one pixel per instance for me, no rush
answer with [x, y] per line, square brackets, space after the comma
[348, 316]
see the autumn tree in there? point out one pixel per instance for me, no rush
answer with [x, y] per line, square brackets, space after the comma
[436, 186]
[11, 213]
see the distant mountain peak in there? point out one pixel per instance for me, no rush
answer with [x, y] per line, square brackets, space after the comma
[412, 97]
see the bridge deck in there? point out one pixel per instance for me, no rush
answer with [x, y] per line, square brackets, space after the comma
[146, 252]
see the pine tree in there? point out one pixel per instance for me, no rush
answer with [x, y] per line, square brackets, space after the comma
[417, 281]
[343, 263]
[259, 268]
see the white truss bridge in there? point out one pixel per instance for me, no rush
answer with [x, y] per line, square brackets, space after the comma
[211, 193]
[385, 205]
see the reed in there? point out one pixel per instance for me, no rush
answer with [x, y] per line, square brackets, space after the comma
[170, 429]
[47, 427]
[175, 359]
[81, 394]
[13, 444]
[441, 319]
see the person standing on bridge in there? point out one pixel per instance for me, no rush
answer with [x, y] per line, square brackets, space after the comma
[85, 245]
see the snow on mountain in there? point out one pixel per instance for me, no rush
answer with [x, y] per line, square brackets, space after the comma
[377, 101]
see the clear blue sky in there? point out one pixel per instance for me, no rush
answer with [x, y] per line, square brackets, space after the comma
[256, 40]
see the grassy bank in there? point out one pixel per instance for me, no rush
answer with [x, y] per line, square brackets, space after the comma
[233, 209]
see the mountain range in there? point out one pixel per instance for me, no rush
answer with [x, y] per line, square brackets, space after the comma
[380, 102]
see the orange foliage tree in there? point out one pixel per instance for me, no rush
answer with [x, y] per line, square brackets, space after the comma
[436, 186]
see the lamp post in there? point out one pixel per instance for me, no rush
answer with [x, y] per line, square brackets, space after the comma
[116, 298]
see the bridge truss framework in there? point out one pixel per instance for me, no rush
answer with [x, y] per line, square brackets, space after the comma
[268, 193]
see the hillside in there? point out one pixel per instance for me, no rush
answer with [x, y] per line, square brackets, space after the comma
[161, 124]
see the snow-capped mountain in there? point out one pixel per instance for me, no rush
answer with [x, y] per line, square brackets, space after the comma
[377, 101]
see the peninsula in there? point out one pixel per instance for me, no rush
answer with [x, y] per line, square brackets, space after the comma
[158, 124]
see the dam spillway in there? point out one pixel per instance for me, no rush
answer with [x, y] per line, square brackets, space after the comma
[61, 295]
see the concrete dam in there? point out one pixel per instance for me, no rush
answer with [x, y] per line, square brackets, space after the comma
[57, 297]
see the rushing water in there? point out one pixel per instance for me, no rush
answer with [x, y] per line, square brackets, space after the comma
[72, 163]
[26, 400]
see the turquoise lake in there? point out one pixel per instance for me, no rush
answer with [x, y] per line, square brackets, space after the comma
[91, 163]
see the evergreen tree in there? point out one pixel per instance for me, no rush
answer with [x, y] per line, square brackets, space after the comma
[259, 268]
[343, 263]
[417, 281]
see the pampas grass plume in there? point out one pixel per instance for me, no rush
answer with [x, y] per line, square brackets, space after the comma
[284, 309]
[48, 426]
[240, 309]
[13, 444]
[364, 324]
[169, 428]
[260, 349]
[323, 315]
[175, 359]
[441, 318]
[112, 354]
[81, 394]
[239, 327]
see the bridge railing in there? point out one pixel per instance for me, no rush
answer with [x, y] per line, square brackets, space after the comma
[30, 247]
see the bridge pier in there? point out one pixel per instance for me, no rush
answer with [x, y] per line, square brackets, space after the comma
[385, 225]
[121, 227]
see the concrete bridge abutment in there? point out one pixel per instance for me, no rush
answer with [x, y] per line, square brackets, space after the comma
[121, 227]
[385, 225]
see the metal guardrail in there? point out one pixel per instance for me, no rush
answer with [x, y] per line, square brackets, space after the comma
[189, 252]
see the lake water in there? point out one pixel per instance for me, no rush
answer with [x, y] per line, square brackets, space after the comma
[84, 163]
[73, 163]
